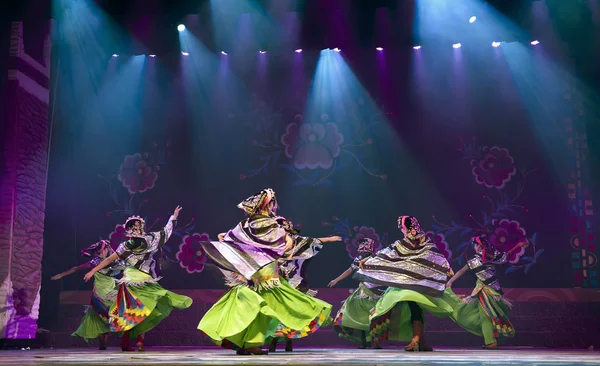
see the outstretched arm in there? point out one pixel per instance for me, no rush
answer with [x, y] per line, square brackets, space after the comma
[330, 239]
[81, 267]
[102, 264]
[457, 276]
[344, 275]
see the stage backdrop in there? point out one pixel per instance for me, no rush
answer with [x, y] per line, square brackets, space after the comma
[470, 141]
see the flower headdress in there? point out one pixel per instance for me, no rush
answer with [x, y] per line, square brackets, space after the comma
[365, 245]
[488, 250]
[130, 222]
[96, 247]
[255, 202]
[407, 223]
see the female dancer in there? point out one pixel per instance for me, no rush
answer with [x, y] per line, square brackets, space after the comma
[260, 304]
[353, 317]
[95, 321]
[141, 302]
[416, 275]
[485, 312]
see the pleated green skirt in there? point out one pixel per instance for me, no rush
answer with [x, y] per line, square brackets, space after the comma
[353, 317]
[95, 319]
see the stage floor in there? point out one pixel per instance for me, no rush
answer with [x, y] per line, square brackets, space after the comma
[306, 356]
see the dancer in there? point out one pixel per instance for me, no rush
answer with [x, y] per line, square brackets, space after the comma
[294, 271]
[416, 275]
[260, 304]
[352, 320]
[141, 302]
[485, 312]
[95, 320]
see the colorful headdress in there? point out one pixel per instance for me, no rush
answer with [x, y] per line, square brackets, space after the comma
[365, 245]
[407, 223]
[488, 251]
[255, 202]
[128, 225]
[87, 252]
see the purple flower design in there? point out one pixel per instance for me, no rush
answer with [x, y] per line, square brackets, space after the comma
[191, 256]
[440, 242]
[494, 167]
[117, 236]
[361, 233]
[137, 174]
[507, 234]
[312, 146]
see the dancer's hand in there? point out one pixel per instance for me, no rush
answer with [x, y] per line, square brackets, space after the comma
[335, 238]
[88, 275]
[221, 236]
[362, 263]
[56, 277]
[332, 283]
[176, 212]
[523, 244]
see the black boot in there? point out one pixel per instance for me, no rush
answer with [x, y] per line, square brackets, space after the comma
[273, 345]
[288, 345]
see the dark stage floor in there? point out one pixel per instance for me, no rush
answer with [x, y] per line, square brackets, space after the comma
[307, 356]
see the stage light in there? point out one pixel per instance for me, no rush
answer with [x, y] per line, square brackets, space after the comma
[379, 49]
[472, 19]
[115, 55]
[456, 45]
[185, 53]
[495, 44]
[152, 55]
[223, 53]
[181, 27]
[337, 50]
[416, 47]
[262, 52]
[298, 50]
[535, 43]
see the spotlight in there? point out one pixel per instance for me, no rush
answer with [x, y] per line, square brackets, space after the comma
[337, 50]
[379, 49]
[223, 53]
[152, 55]
[535, 43]
[262, 52]
[472, 19]
[416, 47]
[181, 27]
[456, 45]
[298, 50]
[185, 53]
[495, 44]
[115, 55]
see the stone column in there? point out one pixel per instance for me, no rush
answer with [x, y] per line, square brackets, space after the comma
[23, 174]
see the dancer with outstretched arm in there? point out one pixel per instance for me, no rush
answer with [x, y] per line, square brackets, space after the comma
[141, 303]
[94, 323]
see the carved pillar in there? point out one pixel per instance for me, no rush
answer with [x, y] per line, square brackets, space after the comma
[24, 167]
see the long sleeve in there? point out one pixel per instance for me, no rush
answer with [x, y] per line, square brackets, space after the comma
[168, 230]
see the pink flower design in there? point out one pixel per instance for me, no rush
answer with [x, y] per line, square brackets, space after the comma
[117, 237]
[312, 146]
[494, 168]
[506, 235]
[440, 242]
[361, 233]
[191, 255]
[136, 174]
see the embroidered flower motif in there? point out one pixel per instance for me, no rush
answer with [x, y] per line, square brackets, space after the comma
[191, 256]
[117, 237]
[494, 168]
[361, 233]
[440, 242]
[506, 235]
[137, 174]
[312, 146]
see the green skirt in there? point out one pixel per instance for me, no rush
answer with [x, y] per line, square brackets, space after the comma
[251, 316]
[142, 303]
[484, 306]
[352, 320]
[391, 318]
[95, 320]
